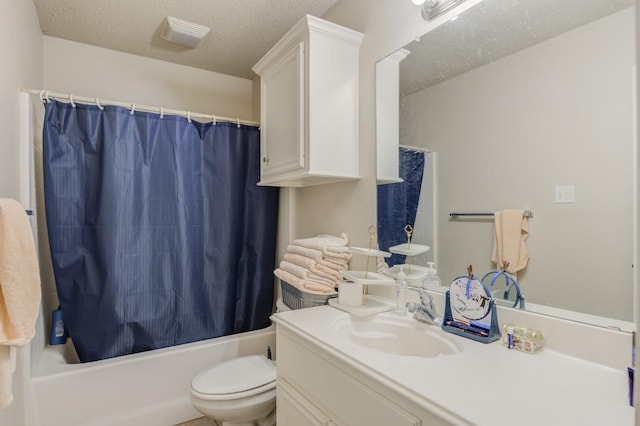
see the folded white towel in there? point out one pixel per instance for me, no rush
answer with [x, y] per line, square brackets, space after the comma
[321, 288]
[325, 243]
[294, 269]
[305, 251]
[19, 289]
[303, 285]
[329, 282]
[335, 250]
[312, 266]
[338, 265]
[298, 259]
[305, 274]
[317, 255]
[509, 248]
[344, 256]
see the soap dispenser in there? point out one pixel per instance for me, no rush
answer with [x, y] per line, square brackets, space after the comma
[401, 292]
[431, 280]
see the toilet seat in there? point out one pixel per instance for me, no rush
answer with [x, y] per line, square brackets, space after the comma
[234, 379]
[236, 395]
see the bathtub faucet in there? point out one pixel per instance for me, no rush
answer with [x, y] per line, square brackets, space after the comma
[424, 311]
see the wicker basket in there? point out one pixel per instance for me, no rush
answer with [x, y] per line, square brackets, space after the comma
[297, 299]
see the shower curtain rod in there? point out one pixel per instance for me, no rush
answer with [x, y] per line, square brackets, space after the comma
[46, 95]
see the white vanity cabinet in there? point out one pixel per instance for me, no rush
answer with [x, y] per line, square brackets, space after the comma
[315, 387]
[309, 106]
[335, 368]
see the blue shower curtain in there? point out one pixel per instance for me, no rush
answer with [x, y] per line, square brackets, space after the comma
[398, 203]
[158, 232]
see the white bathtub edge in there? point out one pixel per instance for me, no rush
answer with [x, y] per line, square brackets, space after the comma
[149, 388]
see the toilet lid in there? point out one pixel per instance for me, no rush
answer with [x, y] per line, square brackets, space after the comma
[235, 375]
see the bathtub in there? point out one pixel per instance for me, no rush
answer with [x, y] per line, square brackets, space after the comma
[148, 388]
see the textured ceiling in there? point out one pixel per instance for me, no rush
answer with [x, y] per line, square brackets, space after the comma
[493, 29]
[242, 31]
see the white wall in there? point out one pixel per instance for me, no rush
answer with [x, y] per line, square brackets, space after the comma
[84, 70]
[21, 47]
[21, 66]
[507, 133]
[351, 207]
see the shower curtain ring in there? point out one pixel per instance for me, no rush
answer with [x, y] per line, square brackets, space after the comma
[100, 107]
[42, 96]
[133, 108]
[189, 116]
[213, 118]
[238, 122]
[161, 113]
[46, 96]
[73, 104]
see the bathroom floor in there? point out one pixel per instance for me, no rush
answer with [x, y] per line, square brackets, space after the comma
[200, 421]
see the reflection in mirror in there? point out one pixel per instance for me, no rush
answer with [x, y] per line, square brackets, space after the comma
[504, 289]
[528, 105]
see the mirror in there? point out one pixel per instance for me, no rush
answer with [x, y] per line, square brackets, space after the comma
[528, 105]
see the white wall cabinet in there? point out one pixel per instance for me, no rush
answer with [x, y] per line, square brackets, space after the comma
[309, 106]
[388, 117]
[315, 387]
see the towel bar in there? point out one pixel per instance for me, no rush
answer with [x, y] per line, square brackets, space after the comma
[527, 214]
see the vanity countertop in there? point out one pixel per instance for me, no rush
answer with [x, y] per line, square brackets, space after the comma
[484, 384]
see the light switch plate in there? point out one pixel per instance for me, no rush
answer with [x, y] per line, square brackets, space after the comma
[565, 194]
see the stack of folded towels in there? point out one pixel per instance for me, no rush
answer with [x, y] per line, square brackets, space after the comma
[313, 264]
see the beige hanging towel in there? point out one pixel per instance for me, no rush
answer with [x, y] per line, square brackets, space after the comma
[19, 289]
[509, 247]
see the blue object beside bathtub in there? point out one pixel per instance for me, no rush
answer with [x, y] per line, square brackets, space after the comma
[59, 332]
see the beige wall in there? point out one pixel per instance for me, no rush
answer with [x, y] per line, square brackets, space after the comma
[507, 133]
[84, 70]
[636, 241]
[21, 67]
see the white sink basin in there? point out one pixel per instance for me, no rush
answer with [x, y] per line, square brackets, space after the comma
[397, 336]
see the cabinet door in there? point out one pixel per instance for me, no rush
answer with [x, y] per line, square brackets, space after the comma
[293, 409]
[282, 132]
[347, 400]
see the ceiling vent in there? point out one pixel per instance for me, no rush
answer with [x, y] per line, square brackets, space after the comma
[183, 32]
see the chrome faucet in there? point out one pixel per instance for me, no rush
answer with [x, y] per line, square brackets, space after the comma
[424, 311]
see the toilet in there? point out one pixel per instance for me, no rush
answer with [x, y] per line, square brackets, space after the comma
[240, 391]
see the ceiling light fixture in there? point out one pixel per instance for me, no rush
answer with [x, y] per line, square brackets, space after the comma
[183, 32]
[431, 9]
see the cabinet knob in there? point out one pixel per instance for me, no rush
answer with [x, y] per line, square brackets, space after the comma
[265, 159]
